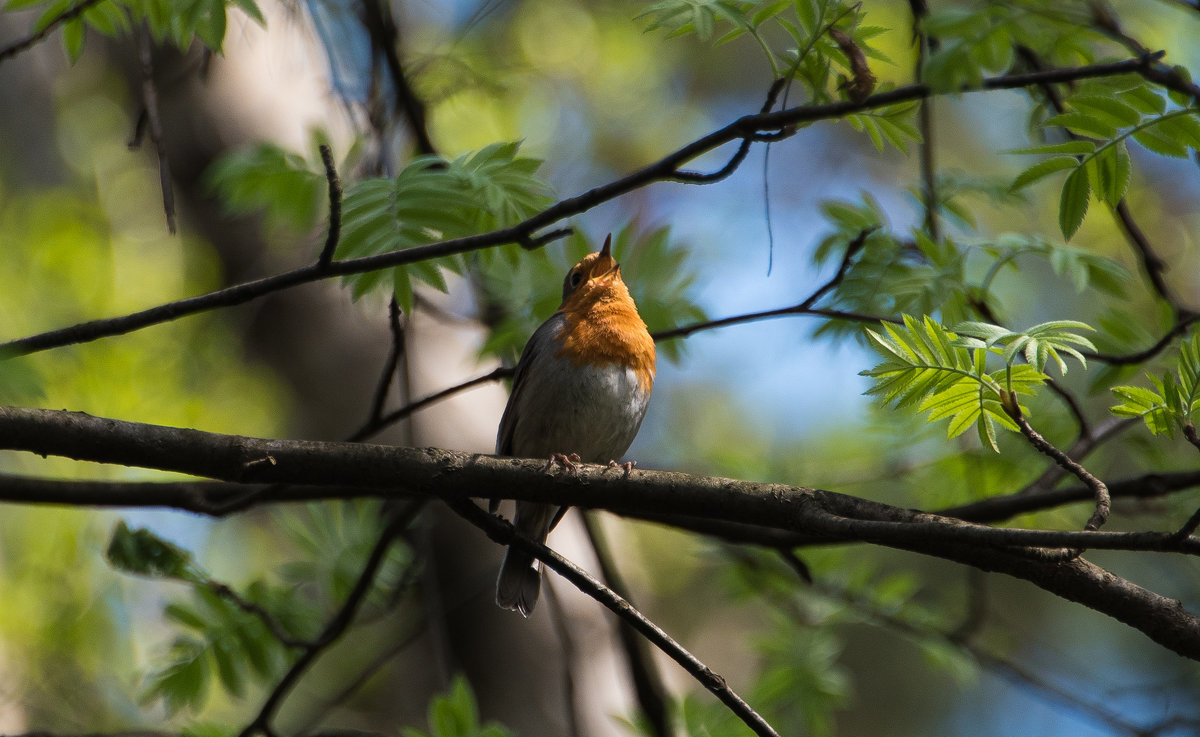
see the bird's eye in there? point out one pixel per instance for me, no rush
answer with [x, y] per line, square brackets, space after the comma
[576, 278]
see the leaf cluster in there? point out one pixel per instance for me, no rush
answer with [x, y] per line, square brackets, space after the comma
[434, 199]
[1100, 121]
[796, 40]
[287, 188]
[456, 714]
[890, 275]
[945, 374]
[178, 22]
[235, 639]
[1172, 404]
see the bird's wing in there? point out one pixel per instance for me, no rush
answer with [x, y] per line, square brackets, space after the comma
[539, 343]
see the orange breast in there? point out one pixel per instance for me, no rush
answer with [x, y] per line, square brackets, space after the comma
[608, 330]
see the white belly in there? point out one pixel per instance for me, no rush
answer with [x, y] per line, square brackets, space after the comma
[594, 411]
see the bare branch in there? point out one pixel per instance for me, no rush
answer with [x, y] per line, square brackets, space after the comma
[1045, 447]
[664, 169]
[502, 532]
[335, 207]
[157, 137]
[336, 626]
[648, 685]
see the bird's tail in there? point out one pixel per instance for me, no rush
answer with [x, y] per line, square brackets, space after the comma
[519, 583]
[520, 579]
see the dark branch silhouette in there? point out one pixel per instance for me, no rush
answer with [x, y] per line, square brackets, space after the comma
[344, 470]
[524, 232]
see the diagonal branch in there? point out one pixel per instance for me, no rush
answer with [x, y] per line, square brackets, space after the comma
[33, 39]
[1045, 447]
[338, 625]
[664, 169]
[151, 112]
[503, 532]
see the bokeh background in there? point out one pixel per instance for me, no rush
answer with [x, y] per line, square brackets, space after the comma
[588, 89]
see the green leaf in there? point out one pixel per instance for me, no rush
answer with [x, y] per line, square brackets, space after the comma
[1158, 142]
[107, 18]
[1074, 148]
[1143, 403]
[1145, 100]
[1115, 171]
[929, 366]
[1073, 204]
[73, 35]
[1042, 169]
[1085, 125]
[288, 189]
[143, 553]
[431, 200]
[184, 683]
[1109, 110]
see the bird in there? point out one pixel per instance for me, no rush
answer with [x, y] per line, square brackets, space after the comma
[580, 391]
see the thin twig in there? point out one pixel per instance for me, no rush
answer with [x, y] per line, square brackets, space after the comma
[559, 620]
[502, 532]
[335, 207]
[926, 44]
[524, 231]
[385, 42]
[33, 39]
[999, 508]
[695, 177]
[268, 619]
[396, 415]
[154, 122]
[336, 626]
[1045, 447]
[1085, 429]
[803, 308]
[1181, 326]
[648, 686]
[386, 376]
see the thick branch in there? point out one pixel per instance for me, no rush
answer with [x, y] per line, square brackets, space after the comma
[359, 470]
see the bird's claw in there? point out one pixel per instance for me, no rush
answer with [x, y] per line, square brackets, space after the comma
[627, 465]
[567, 461]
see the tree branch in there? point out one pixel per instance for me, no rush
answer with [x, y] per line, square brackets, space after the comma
[157, 137]
[335, 207]
[502, 532]
[352, 469]
[336, 626]
[1045, 447]
[33, 39]
[665, 169]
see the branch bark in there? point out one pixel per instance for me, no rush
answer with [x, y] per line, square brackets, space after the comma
[339, 470]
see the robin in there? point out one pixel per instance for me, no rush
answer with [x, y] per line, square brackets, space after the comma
[579, 392]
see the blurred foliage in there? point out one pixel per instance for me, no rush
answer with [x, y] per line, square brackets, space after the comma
[526, 102]
[456, 715]
[1174, 400]
[179, 22]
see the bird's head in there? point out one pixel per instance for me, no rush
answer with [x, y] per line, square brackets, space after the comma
[593, 277]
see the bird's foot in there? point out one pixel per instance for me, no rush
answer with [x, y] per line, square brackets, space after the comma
[567, 461]
[627, 465]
